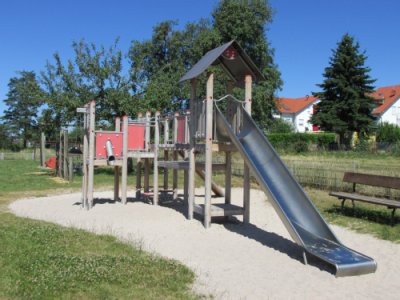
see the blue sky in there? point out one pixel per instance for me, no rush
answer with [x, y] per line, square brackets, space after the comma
[303, 33]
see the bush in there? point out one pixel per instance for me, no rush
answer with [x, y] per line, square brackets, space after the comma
[280, 126]
[300, 142]
[388, 134]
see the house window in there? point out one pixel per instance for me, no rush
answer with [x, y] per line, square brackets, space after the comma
[301, 122]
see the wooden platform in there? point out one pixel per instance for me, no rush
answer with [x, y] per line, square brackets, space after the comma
[105, 162]
[184, 165]
[220, 210]
[139, 154]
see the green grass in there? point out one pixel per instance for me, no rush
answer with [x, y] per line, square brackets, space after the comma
[366, 218]
[39, 260]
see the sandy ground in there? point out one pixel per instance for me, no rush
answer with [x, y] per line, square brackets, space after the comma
[231, 260]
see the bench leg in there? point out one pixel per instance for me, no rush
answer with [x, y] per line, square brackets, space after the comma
[354, 206]
[343, 200]
[392, 220]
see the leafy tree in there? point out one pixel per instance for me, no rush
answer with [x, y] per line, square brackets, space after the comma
[246, 22]
[157, 64]
[23, 101]
[345, 104]
[95, 73]
[5, 137]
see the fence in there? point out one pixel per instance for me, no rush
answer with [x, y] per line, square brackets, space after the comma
[25, 155]
[328, 174]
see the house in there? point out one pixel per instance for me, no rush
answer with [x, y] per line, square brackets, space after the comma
[388, 104]
[297, 111]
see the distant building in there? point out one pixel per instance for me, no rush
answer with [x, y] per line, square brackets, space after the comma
[298, 112]
[388, 104]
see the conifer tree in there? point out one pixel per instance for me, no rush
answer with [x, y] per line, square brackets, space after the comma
[345, 104]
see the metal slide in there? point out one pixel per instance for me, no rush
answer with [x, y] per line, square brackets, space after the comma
[301, 218]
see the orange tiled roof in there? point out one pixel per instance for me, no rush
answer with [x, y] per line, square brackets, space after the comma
[387, 95]
[294, 105]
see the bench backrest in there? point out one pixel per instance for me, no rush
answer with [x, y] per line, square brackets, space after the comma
[373, 180]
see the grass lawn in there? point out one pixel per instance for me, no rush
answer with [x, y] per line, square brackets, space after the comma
[39, 260]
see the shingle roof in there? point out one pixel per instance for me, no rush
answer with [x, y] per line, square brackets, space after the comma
[235, 68]
[388, 95]
[294, 105]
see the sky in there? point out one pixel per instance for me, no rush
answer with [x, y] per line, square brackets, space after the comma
[303, 33]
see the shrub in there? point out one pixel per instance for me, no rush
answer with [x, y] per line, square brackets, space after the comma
[280, 126]
[388, 133]
[299, 142]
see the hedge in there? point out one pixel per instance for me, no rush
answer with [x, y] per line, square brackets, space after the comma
[301, 140]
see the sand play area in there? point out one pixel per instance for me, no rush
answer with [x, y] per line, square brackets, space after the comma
[231, 260]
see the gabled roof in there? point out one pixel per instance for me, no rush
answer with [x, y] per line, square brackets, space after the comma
[388, 95]
[294, 105]
[236, 68]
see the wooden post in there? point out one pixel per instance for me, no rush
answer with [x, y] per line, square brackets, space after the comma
[155, 165]
[175, 157]
[166, 154]
[228, 154]
[246, 170]
[191, 152]
[138, 179]
[147, 148]
[92, 115]
[186, 157]
[116, 168]
[65, 154]
[124, 170]
[70, 169]
[117, 124]
[59, 157]
[116, 183]
[85, 158]
[208, 149]
[42, 149]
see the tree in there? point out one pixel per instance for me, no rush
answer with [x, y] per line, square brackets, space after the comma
[157, 64]
[246, 22]
[95, 73]
[345, 103]
[23, 101]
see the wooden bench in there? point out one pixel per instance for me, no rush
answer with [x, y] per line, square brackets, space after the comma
[371, 180]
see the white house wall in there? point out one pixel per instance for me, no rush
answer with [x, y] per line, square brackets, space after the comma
[392, 114]
[302, 120]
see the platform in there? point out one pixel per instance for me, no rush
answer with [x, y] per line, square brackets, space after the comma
[220, 210]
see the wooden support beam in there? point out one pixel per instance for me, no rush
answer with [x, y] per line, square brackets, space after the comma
[92, 116]
[246, 170]
[208, 149]
[155, 165]
[166, 152]
[116, 183]
[147, 148]
[65, 154]
[85, 158]
[124, 179]
[191, 152]
[138, 179]
[175, 156]
[42, 149]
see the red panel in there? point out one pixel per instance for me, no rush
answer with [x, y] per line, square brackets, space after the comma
[181, 136]
[136, 137]
[102, 138]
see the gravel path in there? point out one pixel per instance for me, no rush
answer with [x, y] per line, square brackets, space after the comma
[231, 260]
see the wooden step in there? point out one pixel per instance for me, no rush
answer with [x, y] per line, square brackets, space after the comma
[220, 210]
